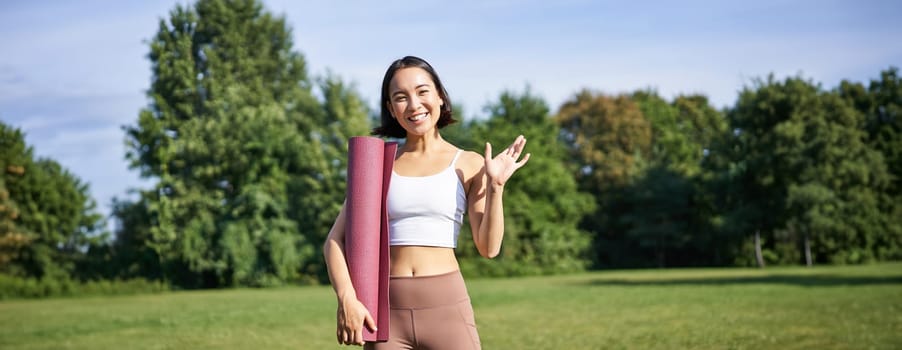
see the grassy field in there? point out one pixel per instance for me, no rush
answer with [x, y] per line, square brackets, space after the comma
[857, 307]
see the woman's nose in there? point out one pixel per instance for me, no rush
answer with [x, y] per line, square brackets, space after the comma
[414, 103]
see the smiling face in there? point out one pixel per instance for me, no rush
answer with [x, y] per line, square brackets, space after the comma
[414, 101]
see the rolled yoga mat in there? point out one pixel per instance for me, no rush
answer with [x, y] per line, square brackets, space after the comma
[366, 240]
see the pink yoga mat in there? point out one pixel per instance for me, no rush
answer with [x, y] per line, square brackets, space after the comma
[366, 241]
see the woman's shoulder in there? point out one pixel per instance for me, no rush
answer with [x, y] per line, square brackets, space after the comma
[470, 162]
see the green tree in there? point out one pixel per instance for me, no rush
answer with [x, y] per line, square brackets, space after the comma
[663, 212]
[704, 125]
[323, 162]
[231, 129]
[607, 138]
[542, 204]
[129, 255]
[660, 214]
[49, 220]
[671, 143]
[806, 173]
[660, 201]
[881, 104]
[707, 129]
[608, 142]
[14, 157]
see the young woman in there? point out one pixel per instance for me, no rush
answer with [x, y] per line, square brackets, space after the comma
[433, 184]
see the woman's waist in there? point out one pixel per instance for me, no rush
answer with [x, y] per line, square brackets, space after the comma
[423, 292]
[415, 261]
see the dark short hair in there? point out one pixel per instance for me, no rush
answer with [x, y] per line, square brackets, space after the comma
[390, 126]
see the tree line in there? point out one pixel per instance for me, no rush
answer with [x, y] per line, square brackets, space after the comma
[247, 155]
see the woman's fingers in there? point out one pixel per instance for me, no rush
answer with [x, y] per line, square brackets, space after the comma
[514, 150]
[517, 147]
[358, 337]
[350, 327]
[351, 336]
[346, 335]
[369, 322]
[523, 161]
[343, 337]
[340, 330]
[355, 332]
[351, 320]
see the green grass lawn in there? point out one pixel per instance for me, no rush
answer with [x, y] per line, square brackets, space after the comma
[855, 307]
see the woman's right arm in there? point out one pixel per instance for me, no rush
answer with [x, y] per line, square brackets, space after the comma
[352, 315]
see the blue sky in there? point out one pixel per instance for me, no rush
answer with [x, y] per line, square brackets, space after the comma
[72, 73]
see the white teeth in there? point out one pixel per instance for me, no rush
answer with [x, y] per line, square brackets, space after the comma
[417, 117]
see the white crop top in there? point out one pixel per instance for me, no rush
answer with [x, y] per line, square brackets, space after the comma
[426, 210]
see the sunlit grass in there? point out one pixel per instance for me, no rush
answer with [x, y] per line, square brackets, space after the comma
[857, 307]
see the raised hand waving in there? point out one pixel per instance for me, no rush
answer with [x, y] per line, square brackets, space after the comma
[500, 168]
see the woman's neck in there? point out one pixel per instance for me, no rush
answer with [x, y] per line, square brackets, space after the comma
[424, 143]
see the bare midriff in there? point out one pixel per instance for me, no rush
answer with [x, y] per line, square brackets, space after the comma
[407, 261]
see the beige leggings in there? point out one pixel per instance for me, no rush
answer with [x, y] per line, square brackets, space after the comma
[430, 312]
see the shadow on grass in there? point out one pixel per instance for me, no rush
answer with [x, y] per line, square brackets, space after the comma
[796, 280]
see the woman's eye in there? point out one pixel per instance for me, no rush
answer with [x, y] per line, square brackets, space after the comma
[423, 92]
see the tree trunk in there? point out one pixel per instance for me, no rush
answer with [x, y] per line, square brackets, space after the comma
[758, 255]
[807, 251]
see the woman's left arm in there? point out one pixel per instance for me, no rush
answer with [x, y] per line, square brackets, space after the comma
[485, 196]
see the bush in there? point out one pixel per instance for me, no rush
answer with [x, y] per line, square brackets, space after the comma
[12, 287]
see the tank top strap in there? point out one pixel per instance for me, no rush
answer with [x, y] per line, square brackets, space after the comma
[454, 161]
